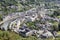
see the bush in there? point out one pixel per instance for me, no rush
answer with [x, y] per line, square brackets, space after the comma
[1, 17]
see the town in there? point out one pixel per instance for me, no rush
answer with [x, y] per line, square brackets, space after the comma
[40, 21]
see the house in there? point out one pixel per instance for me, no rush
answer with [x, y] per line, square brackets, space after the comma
[31, 16]
[14, 25]
[44, 34]
[47, 34]
[5, 25]
[25, 32]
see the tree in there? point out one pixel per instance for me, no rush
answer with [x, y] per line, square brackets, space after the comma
[56, 12]
[5, 5]
[59, 26]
